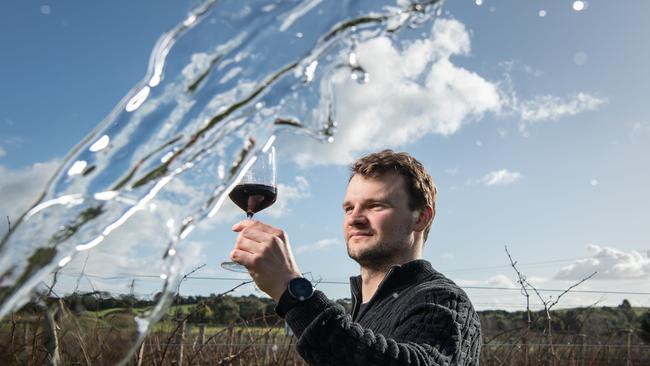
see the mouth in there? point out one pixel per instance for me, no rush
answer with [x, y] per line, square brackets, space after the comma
[359, 235]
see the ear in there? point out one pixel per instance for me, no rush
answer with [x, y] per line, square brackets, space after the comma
[425, 217]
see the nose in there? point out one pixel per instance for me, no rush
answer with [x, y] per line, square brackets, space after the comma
[355, 217]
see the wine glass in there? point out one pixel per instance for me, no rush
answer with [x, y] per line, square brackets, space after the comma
[256, 191]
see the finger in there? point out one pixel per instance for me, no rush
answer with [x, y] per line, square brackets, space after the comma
[246, 259]
[242, 225]
[248, 245]
[258, 225]
[260, 236]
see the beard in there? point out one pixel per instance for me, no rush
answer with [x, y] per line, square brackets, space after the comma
[380, 255]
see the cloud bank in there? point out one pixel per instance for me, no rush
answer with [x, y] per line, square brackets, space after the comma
[411, 93]
[415, 91]
[610, 263]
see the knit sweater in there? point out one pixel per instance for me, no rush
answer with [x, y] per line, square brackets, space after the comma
[416, 317]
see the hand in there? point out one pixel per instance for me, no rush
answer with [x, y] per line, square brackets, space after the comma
[265, 252]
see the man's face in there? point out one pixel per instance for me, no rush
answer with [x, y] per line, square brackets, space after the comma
[378, 224]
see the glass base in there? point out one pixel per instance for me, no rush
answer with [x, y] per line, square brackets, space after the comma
[234, 267]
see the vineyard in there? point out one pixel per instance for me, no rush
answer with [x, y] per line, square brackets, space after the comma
[190, 335]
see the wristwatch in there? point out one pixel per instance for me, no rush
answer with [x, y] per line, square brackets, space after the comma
[298, 290]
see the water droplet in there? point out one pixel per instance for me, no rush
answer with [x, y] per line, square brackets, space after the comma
[163, 276]
[138, 99]
[299, 35]
[105, 196]
[65, 261]
[46, 10]
[77, 168]
[190, 20]
[90, 244]
[359, 75]
[542, 13]
[100, 144]
[352, 59]
[579, 5]
[221, 171]
[274, 348]
[166, 157]
[171, 251]
[310, 71]
[593, 182]
[479, 2]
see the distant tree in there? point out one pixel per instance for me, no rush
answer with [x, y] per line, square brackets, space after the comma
[626, 307]
[201, 313]
[625, 304]
[127, 301]
[89, 302]
[251, 308]
[644, 327]
[225, 309]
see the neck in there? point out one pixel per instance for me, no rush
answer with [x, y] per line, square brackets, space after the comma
[371, 276]
[370, 280]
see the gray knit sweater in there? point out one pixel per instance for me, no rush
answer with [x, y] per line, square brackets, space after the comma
[416, 317]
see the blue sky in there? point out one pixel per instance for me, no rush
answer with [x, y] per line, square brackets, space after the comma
[538, 140]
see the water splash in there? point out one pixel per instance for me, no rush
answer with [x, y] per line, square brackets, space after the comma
[218, 87]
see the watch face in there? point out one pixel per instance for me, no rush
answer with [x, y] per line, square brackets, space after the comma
[300, 288]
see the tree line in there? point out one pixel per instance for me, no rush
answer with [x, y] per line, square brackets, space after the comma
[260, 311]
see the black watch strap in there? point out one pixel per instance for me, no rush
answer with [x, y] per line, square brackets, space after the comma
[298, 290]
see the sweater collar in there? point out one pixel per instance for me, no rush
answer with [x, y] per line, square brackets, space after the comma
[398, 276]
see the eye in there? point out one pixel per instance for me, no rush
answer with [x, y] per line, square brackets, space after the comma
[347, 209]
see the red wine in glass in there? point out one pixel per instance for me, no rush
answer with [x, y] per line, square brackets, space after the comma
[256, 191]
[253, 197]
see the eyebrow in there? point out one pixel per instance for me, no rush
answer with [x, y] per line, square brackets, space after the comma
[371, 200]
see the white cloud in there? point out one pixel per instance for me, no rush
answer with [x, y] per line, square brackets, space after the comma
[319, 245]
[3, 152]
[610, 263]
[287, 194]
[551, 108]
[412, 93]
[415, 91]
[20, 188]
[501, 177]
[501, 281]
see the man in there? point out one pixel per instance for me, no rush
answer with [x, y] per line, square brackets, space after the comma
[404, 312]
